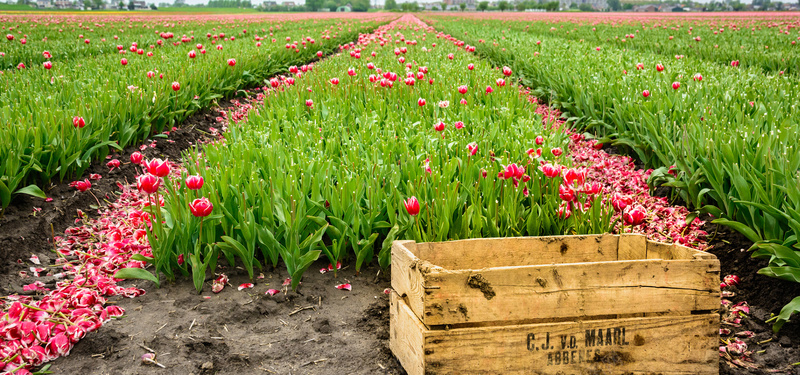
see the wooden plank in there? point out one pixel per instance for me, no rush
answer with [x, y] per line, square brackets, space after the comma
[409, 274]
[406, 336]
[664, 345]
[522, 251]
[632, 247]
[577, 290]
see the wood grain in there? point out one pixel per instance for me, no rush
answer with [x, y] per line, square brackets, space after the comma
[664, 345]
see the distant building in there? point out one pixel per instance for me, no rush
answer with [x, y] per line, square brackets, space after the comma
[44, 4]
[344, 8]
[596, 4]
[645, 8]
[289, 4]
[269, 4]
[140, 5]
[430, 6]
[63, 4]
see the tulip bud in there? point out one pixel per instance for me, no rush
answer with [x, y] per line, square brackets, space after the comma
[412, 206]
[124, 62]
[194, 182]
[78, 122]
[201, 207]
[176, 86]
[646, 93]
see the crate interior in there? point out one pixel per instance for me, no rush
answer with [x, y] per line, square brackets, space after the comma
[525, 251]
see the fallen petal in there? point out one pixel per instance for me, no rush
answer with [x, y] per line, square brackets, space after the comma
[272, 292]
[344, 286]
[245, 286]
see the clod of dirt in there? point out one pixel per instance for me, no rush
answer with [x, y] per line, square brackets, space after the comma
[323, 326]
[785, 342]
[477, 281]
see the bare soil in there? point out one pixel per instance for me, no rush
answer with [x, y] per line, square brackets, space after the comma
[318, 330]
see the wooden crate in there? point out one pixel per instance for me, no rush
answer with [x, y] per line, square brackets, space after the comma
[598, 304]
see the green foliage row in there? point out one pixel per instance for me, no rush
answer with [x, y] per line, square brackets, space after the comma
[731, 135]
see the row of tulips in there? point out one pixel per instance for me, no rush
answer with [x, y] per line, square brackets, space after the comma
[723, 136]
[769, 45]
[347, 158]
[60, 115]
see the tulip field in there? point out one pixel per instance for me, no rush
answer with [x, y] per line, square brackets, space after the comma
[335, 135]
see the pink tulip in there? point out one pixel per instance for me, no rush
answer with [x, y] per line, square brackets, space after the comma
[194, 182]
[472, 148]
[83, 185]
[137, 158]
[78, 122]
[634, 216]
[157, 167]
[201, 207]
[620, 201]
[412, 206]
[148, 183]
[458, 125]
[550, 170]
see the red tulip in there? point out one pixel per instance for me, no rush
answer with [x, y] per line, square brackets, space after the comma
[137, 158]
[157, 167]
[293, 69]
[351, 72]
[489, 89]
[634, 216]
[557, 151]
[735, 63]
[319, 53]
[566, 193]
[676, 85]
[124, 62]
[439, 127]
[370, 66]
[192, 54]
[660, 67]
[9, 37]
[563, 211]
[458, 124]
[176, 86]
[450, 56]
[194, 182]
[47, 54]
[539, 140]
[231, 62]
[697, 77]
[500, 82]
[620, 201]
[462, 89]
[334, 81]
[646, 93]
[201, 207]
[78, 122]
[471, 66]
[506, 71]
[148, 183]
[639, 66]
[574, 177]
[21, 66]
[472, 148]
[731, 280]
[83, 185]
[412, 206]
[114, 163]
[421, 102]
[309, 103]
[151, 74]
[47, 65]
[463, 101]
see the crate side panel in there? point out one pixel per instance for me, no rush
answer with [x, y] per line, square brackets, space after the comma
[406, 336]
[663, 345]
[519, 294]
